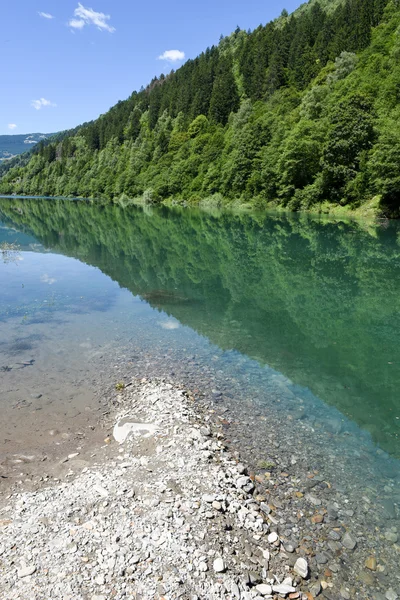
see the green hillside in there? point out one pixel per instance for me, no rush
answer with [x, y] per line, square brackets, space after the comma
[298, 113]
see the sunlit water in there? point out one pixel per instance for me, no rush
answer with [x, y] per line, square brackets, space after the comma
[283, 317]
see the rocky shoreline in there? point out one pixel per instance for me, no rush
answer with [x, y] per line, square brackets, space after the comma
[171, 512]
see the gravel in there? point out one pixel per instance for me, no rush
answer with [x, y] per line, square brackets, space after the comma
[174, 512]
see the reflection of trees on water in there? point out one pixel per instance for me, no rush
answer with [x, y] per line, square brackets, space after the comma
[316, 300]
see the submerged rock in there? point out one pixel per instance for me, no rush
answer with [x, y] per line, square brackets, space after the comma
[349, 541]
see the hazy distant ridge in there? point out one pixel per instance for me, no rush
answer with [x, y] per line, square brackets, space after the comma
[11, 145]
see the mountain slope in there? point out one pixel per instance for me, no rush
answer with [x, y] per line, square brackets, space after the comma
[291, 114]
[11, 145]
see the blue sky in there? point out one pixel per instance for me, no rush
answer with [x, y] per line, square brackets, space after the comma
[66, 62]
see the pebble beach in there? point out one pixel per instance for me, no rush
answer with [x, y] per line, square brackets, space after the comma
[167, 508]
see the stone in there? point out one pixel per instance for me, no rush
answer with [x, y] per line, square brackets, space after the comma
[264, 589]
[349, 541]
[26, 571]
[345, 593]
[391, 536]
[265, 508]
[388, 507]
[273, 537]
[321, 558]
[283, 589]
[333, 425]
[391, 594]
[203, 567]
[235, 590]
[316, 519]
[366, 578]
[313, 499]
[209, 498]
[371, 563]
[301, 567]
[206, 431]
[316, 589]
[254, 578]
[219, 565]
[242, 481]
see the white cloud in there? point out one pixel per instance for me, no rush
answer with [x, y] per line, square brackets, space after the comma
[172, 55]
[76, 23]
[38, 104]
[12, 126]
[46, 279]
[87, 16]
[170, 324]
[45, 15]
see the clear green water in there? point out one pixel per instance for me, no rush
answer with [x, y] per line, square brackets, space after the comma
[316, 301]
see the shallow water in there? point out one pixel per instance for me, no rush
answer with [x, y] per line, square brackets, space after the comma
[315, 303]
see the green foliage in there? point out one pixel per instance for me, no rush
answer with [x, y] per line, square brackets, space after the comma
[351, 133]
[299, 111]
[199, 125]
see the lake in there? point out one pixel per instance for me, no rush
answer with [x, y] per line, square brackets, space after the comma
[289, 325]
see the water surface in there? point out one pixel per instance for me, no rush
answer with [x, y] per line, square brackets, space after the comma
[316, 301]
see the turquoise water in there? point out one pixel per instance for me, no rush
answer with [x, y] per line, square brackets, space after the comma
[317, 302]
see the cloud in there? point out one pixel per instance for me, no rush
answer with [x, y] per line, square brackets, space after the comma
[12, 126]
[46, 279]
[169, 324]
[87, 16]
[45, 15]
[172, 55]
[38, 104]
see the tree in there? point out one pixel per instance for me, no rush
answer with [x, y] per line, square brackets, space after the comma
[224, 97]
[351, 133]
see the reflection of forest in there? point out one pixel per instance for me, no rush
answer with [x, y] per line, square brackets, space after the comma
[318, 301]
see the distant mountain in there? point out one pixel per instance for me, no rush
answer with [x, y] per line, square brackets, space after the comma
[12, 145]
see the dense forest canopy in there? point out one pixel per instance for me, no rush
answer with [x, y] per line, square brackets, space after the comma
[297, 112]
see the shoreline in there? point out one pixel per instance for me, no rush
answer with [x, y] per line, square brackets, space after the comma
[154, 517]
[369, 213]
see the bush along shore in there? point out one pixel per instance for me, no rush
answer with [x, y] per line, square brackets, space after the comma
[167, 511]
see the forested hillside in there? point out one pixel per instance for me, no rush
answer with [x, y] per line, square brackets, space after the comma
[300, 111]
